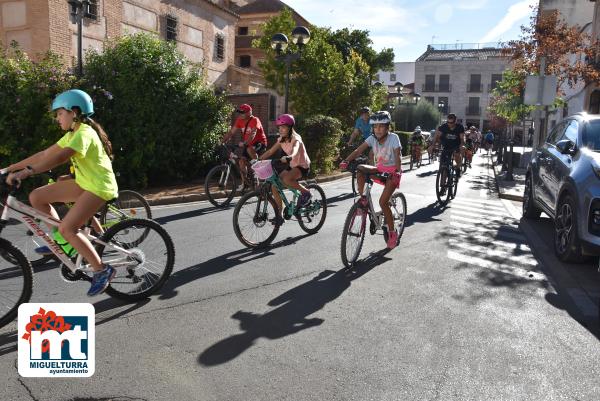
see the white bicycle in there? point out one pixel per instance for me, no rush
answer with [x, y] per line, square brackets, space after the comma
[142, 267]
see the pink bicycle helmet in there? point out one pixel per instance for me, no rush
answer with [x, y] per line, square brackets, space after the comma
[285, 119]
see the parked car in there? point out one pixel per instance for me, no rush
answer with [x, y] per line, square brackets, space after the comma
[563, 180]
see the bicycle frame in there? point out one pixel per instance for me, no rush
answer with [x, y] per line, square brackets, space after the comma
[29, 216]
[378, 222]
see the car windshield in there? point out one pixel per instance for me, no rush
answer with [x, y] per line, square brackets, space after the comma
[591, 135]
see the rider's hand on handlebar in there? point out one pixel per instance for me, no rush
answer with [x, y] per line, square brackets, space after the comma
[344, 165]
[16, 178]
[242, 144]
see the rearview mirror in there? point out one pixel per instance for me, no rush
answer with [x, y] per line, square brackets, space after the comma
[566, 147]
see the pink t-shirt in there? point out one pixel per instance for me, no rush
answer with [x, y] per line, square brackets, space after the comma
[301, 158]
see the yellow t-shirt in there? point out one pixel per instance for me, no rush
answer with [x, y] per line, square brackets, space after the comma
[93, 168]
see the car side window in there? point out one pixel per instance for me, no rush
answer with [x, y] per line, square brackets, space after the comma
[571, 132]
[555, 133]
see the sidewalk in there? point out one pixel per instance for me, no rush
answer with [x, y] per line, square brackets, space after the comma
[514, 189]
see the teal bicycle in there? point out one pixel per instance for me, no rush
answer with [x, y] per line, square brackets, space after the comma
[255, 215]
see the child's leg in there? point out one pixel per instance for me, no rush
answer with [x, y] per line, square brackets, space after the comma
[290, 179]
[86, 205]
[64, 191]
[278, 200]
[384, 203]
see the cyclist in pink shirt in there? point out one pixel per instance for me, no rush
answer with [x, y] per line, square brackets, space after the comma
[295, 156]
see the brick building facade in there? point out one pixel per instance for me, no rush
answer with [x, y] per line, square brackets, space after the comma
[204, 29]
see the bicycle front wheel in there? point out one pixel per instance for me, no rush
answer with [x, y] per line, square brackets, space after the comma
[145, 267]
[255, 219]
[353, 234]
[442, 189]
[312, 217]
[16, 281]
[398, 206]
[220, 185]
[17, 232]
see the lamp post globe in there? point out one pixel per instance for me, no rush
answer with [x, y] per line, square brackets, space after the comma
[300, 36]
[279, 42]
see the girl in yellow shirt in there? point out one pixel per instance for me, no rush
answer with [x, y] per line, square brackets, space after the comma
[86, 145]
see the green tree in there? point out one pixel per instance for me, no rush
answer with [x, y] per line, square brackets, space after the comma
[359, 41]
[507, 98]
[408, 116]
[162, 118]
[322, 81]
[26, 123]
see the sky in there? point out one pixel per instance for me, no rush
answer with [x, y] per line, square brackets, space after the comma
[408, 26]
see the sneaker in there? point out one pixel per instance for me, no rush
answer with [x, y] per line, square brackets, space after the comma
[277, 221]
[392, 241]
[43, 250]
[304, 199]
[101, 280]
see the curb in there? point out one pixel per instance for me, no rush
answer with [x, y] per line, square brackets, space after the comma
[188, 198]
[502, 195]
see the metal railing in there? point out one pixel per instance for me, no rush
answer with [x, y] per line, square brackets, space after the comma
[437, 88]
[474, 88]
[473, 111]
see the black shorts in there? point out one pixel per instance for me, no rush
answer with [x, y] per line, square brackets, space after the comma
[447, 154]
[258, 147]
[304, 171]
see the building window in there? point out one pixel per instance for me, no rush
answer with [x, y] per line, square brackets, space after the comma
[430, 99]
[92, 10]
[171, 28]
[473, 108]
[243, 30]
[475, 84]
[444, 83]
[393, 77]
[429, 83]
[219, 47]
[272, 107]
[245, 61]
[495, 79]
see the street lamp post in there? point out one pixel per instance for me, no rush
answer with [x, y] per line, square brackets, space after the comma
[79, 8]
[441, 106]
[279, 43]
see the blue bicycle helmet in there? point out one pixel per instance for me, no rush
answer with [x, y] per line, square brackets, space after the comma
[74, 98]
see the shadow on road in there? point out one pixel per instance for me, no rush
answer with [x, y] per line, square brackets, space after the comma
[8, 342]
[425, 214]
[220, 264]
[291, 314]
[189, 214]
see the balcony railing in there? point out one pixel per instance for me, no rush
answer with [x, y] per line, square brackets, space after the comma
[447, 88]
[475, 88]
[473, 111]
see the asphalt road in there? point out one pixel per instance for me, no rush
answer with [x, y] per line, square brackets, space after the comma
[471, 306]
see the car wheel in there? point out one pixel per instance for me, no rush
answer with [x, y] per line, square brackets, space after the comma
[530, 211]
[566, 240]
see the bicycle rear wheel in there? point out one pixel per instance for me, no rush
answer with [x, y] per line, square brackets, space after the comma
[16, 281]
[17, 232]
[312, 217]
[254, 219]
[220, 185]
[150, 264]
[128, 205]
[353, 235]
